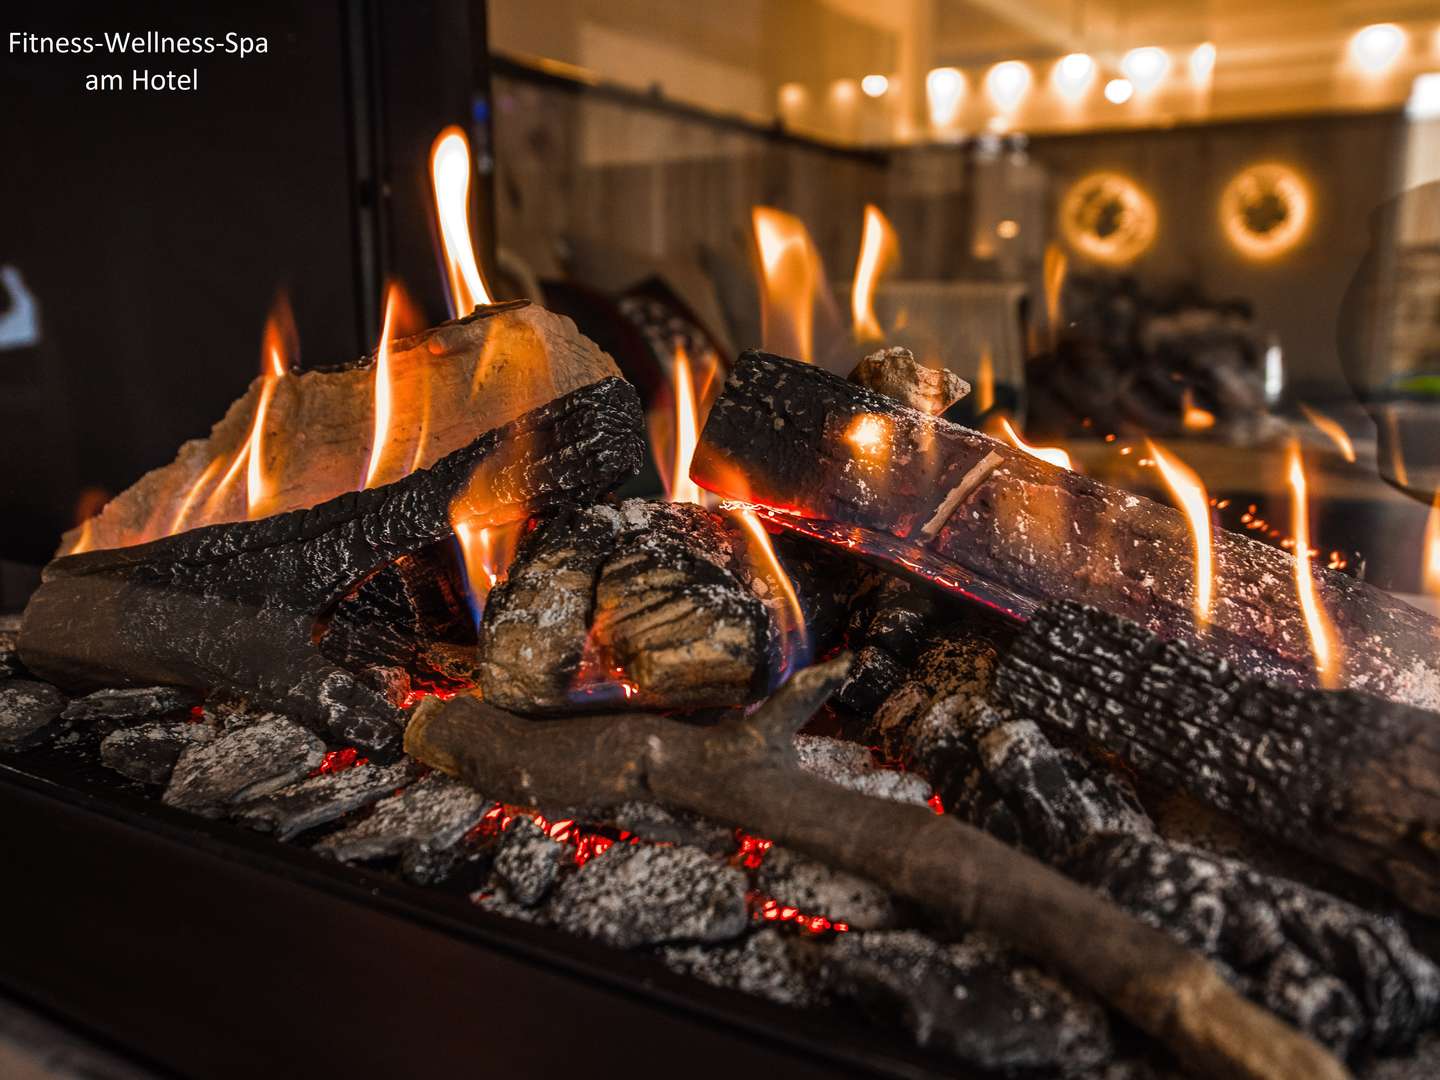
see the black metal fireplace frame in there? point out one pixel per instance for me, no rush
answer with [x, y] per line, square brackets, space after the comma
[206, 950]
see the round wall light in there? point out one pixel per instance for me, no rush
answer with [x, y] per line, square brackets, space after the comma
[1108, 218]
[1265, 210]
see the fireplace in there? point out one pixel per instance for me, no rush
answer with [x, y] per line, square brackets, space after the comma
[909, 687]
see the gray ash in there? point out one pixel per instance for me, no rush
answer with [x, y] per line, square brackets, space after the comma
[638, 894]
[26, 709]
[529, 862]
[131, 704]
[243, 763]
[319, 800]
[852, 766]
[433, 813]
[148, 752]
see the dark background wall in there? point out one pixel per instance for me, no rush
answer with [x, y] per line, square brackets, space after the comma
[153, 229]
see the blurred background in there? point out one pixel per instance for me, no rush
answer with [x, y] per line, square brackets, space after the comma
[1215, 226]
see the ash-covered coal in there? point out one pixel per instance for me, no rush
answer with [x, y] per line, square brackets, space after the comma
[656, 823]
[762, 964]
[641, 894]
[529, 862]
[431, 814]
[245, 762]
[319, 800]
[148, 752]
[139, 703]
[975, 999]
[810, 886]
[27, 707]
[853, 766]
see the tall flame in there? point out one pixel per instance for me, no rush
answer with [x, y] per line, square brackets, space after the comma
[384, 392]
[1053, 454]
[985, 382]
[1317, 624]
[687, 431]
[878, 249]
[1188, 491]
[450, 178]
[1430, 550]
[1053, 272]
[789, 614]
[1331, 430]
[789, 270]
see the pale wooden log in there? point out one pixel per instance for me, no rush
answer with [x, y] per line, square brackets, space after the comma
[450, 383]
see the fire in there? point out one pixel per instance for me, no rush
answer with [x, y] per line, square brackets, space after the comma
[1188, 490]
[1332, 430]
[384, 392]
[878, 249]
[868, 435]
[450, 178]
[1192, 417]
[1430, 551]
[1053, 454]
[1322, 637]
[790, 615]
[985, 382]
[687, 431]
[789, 270]
[487, 552]
[182, 515]
[1053, 273]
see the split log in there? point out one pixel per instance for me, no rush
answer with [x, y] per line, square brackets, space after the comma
[641, 602]
[744, 770]
[448, 385]
[238, 608]
[1349, 778]
[933, 498]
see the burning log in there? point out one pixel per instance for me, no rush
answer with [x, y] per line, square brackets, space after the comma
[848, 466]
[640, 602]
[239, 608]
[314, 443]
[1350, 778]
[744, 770]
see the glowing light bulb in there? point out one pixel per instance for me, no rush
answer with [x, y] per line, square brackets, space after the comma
[1007, 83]
[1119, 91]
[1145, 67]
[1377, 46]
[1073, 75]
[944, 89]
[1202, 62]
[875, 85]
[1424, 101]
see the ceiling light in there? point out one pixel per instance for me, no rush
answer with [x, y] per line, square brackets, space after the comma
[1119, 91]
[944, 89]
[1377, 46]
[1202, 62]
[1424, 103]
[1073, 74]
[1007, 83]
[1145, 67]
[874, 85]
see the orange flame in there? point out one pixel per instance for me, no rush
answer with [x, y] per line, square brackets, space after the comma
[487, 553]
[985, 382]
[789, 270]
[1430, 553]
[790, 616]
[1192, 417]
[450, 178]
[182, 515]
[1322, 636]
[1188, 491]
[384, 392]
[1053, 272]
[878, 249]
[687, 432]
[1332, 430]
[1053, 454]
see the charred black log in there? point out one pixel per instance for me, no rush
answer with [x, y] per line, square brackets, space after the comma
[1350, 778]
[641, 602]
[238, 608]
[852, 467]
[743, 770]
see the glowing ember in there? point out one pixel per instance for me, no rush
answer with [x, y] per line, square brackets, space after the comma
[1322, 638]
[789, 614]
[752, 850]
[383, 390]
[768, 909]
[1192, 417]
[985, 382]
[1430, 551]
[789, 270]
[450, 178]
[1188, 491]
[339, 761]
[1331, 430]
[1053, 454]
[868, 435]
[878, 249]
[586, 845]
